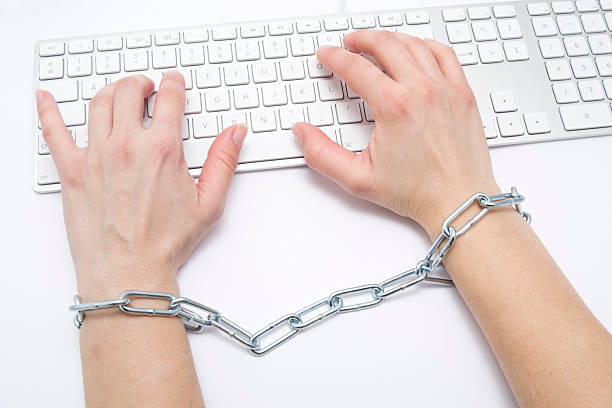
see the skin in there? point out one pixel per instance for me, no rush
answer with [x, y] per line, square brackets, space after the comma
[133, 215]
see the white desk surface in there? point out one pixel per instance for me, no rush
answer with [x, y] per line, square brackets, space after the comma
[299, 237]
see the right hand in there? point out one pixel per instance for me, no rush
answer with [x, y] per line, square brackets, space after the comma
[428, 152]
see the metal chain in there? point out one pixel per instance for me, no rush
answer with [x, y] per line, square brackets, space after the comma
[192, 312]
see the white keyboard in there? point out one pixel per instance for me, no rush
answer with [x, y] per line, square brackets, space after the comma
[539, 70]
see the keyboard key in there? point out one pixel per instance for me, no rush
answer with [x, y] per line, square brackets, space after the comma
[167, 38]
[466, 54]
[62, 91]
[274, 95]
[453, 14]
[224, 33]
[544, 26]
[208, 77]
[51, 49]
[292, 69]
[369, 115]
[484, 31]
[590, 90]
[73, 113]
[593, 23]
[417, 17]
[490, 52]
[509, 29]
[192, 55]
[290, 116]
[551, 48]
[479, 13]
[220, 52]
[136, 60]
[302, 92]
[586, 116]
[515, 51]
[47, 172]
[575, 46]
[608, 17]
[489, 127]
[348, 112]
[110, 43]
[79, 66]
[558, 70]
[108, 63]
[275, 48]
[420, 31]
[336, 23]
[606, 5]
[193, 102]
[586, 5]
[51, 68]
[91, 86]
[330, 90]
[608, 87]
[195, 36]
[320, 115]
[361, 22]
[301, 46]
[510, 125]
[252, 31]
[262, 147]
[264, 72]
[332, 39]
[506, 11]
[80, 46]
[604, 66]
[458, 33]
[246, 98]
[236, 74]
[204, 126]
[164, 58]
[538, 9]
[569, 25]
[583, 68]
[43, 148]
[217, 100]
[231, 119]
[247, 50]
[356, 138]
[317, 69]
[566, 92]
[138, 40]
[390, 20]
[281, 28]
[308, 26]
[600, 44]
[503, 101]
[263, 121]
[196, 152]
[536, 123]
[563, 7]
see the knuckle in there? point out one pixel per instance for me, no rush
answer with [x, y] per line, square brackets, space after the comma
[431, 91]
[398, 100]
[122, 149]
[101, 100]
[70, 174]
[386, 36]
[162, 146]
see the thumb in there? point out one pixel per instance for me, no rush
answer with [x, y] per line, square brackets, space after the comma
[327, 157]
[220, 165]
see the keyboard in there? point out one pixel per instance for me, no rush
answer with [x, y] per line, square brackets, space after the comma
[540, 71]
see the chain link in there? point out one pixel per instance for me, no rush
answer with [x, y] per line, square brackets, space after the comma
[197, 316]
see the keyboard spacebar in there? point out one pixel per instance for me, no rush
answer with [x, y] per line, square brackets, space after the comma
[582, 117]
[269, 146]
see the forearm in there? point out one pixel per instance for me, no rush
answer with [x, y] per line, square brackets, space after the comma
[136, 361]
[551, 348]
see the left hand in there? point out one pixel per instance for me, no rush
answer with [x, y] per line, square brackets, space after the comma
[133, 212]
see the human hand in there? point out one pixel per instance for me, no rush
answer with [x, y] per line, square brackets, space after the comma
[428, 152]
[133, 212]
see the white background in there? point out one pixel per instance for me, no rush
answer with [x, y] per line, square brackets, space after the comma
[288, 237]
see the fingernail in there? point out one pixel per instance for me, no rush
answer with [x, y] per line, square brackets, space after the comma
[39, 96]
[298, 133]
[239, 134]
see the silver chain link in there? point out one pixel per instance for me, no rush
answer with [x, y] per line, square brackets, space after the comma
[192, 313]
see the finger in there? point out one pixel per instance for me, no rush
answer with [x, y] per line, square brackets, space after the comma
[422, 55]
[349, 170]
[447, 61]
[58, 139]
[388, 50]
[100, 121]
[129, 100]
[220, 166]
[170, 103]
[360, 74]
